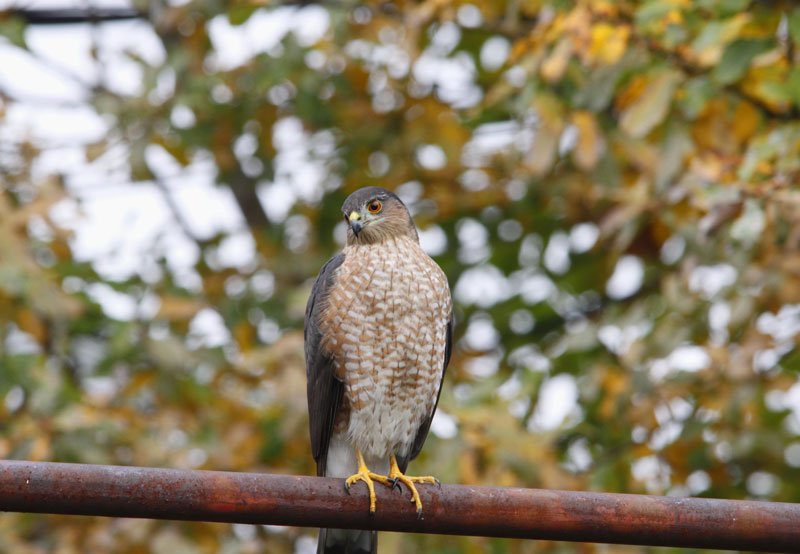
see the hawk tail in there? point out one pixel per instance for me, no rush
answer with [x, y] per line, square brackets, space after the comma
[347, 541]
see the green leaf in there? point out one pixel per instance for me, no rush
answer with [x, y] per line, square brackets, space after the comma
[239, 14]
[13, 30]
[138, 164]
[793, 85]
[731, 7]
[737, 58]
[794, 25]
[748, 227]
[698, 91]
[651, 12]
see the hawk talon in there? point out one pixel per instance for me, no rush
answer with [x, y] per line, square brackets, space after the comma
[396, 475]
[395, 484]
[364, 474]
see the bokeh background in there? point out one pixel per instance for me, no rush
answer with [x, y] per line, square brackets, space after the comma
[611, 188]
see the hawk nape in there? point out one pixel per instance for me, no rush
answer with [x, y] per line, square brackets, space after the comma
[378, 335]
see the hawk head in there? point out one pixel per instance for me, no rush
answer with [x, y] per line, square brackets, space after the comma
[374, 214]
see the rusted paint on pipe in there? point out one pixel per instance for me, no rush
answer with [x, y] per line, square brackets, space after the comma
[452, 509]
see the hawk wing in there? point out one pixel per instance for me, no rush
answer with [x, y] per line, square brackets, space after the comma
[422, 432]
[324, 390]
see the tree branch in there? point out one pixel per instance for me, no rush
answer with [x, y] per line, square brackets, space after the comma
[75, 15]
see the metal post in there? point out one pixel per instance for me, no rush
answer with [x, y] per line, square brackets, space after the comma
[452, 509]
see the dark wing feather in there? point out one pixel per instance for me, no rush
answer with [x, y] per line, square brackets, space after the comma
[324, 390]
[422, 433]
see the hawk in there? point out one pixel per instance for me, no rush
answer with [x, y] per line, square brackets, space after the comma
[378, 337]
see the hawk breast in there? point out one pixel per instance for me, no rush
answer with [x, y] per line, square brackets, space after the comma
[385, 325]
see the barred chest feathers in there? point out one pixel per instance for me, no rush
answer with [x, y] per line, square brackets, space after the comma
[387, 322]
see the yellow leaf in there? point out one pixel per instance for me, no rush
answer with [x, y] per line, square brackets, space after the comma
[178, 308]
[746, 121]
[244, 333]
[577, 25]
[543, 151]
[652, 104]
[556, 63]
[591, 145]
[40, 449]
[31, 324]
[95, 150]
[468, 468]
[726, 125]
[175, 148]
[604, 8]
[766, 83]
[615, 383]
[609, 43]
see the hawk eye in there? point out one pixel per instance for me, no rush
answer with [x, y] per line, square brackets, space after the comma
[345, 219]
[374, 207]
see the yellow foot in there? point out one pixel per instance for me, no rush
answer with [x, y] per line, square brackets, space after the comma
[396, 476]
[364, 474]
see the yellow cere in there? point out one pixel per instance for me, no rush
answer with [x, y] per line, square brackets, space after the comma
[354, 216]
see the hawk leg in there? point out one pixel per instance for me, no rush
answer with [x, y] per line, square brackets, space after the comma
[396, 476]
[364, 474]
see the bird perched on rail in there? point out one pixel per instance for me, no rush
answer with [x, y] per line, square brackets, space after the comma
[378, 337]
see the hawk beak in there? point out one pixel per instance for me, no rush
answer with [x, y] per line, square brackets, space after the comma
[355, 223]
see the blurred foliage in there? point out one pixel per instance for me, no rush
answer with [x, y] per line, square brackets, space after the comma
[612, 189]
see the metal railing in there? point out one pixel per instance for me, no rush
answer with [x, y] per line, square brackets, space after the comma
[120, 491]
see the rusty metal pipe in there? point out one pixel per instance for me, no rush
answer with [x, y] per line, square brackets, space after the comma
[120, 491]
